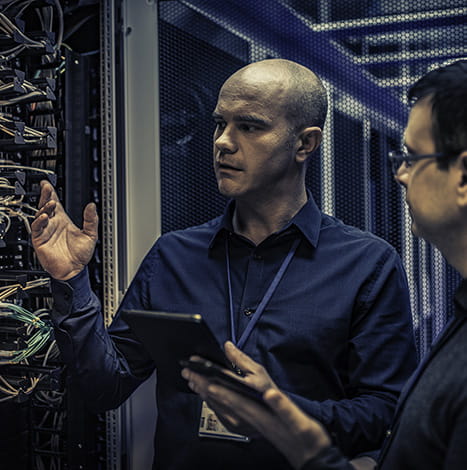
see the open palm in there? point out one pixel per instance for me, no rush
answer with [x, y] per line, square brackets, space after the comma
[61, 247]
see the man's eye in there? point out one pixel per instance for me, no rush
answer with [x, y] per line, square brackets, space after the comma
[248, 127]
[220, 125]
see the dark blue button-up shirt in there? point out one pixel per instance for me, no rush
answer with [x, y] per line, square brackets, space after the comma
[336, 334]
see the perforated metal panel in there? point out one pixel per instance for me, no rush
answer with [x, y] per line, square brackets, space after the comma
[368, 53]
[188, 95]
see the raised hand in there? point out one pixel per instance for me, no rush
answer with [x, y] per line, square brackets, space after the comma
[61, 247]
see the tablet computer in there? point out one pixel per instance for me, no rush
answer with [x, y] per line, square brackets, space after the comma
[173, 337]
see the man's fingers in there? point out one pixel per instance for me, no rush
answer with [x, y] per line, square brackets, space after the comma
[39, 224]
[90, 220]
[48, 208]
[240, 359]
[248, 413]
[43, 217]
[229, 416]
[231, 400]
[196, 382]
[201, 386]
[224, 414]
[288, 412]
[47, 194]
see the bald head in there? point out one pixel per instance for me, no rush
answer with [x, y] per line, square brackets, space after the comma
[301, 91]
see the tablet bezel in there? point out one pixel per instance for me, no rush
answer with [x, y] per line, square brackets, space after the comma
[170, 338]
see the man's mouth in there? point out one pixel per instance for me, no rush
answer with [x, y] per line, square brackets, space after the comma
[225, 166]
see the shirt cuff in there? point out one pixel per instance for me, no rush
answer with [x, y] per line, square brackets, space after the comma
[71, 295]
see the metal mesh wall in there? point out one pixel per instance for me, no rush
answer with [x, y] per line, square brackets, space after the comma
[368, 53]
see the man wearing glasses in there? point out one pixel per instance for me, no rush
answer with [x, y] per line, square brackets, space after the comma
[429, 430]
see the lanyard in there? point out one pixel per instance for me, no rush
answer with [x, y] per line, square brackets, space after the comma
[267, 296]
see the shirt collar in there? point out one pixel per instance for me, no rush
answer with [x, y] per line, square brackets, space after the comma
[307, 221]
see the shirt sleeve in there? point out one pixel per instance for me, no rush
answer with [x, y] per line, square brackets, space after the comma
[94, 358]
[382, 357]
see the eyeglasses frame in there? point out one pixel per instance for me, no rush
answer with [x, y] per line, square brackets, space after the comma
[396, 159]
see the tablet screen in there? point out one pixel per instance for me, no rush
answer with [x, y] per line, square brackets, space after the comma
[173, 337]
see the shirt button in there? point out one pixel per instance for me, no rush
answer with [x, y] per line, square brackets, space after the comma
[388, 433]
[248, 311]
[257, 256]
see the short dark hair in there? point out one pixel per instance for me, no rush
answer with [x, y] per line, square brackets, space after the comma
[446, 88]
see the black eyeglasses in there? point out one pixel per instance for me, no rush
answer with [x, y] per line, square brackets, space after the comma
[396, 159]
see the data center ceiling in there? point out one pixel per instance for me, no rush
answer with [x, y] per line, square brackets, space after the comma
[371, 49]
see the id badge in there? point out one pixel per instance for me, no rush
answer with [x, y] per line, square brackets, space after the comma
[211, 426]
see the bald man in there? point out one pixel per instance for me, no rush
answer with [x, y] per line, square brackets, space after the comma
[429, 431]
[321, 305]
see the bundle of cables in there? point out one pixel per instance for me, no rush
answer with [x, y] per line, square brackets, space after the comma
[38, 333]
[23, 41]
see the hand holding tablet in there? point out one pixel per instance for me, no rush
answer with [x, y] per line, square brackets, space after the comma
[172, 339]
[222, 376]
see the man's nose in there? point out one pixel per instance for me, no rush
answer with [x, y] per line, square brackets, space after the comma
[225, 142]
[401, 175]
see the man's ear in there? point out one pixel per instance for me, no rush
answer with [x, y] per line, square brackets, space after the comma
[462, 188]
[310, 139]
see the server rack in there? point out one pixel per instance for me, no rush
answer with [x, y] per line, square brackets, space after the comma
[49, 113]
